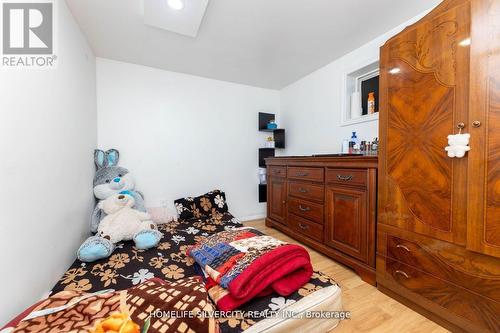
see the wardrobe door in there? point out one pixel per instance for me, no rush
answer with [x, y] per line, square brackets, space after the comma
[424, 96]
[483, 233]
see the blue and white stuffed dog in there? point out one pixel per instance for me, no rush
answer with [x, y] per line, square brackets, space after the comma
[111, 180]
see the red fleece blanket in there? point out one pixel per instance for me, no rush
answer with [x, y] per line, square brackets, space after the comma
[243, 263]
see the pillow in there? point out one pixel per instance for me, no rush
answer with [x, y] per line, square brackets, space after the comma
[184, 207]
[209, 204]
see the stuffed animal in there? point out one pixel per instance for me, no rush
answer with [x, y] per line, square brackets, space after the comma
[110, 179]
[122, 222]
[458, 145]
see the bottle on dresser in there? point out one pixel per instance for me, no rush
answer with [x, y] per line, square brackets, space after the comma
[374, 147]
[354, 144]
[345, 146]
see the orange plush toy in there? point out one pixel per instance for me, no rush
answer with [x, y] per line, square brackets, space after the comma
[117, 323]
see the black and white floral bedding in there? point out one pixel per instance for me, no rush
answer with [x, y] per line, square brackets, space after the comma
[128, 266]
[211, 204]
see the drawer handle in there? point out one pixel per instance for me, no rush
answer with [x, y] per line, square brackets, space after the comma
[303, 190]
[277, 171]
[302, 174]
[404, 247]
[345, 178]
[402, 273]
[303, 226]
[304, 209]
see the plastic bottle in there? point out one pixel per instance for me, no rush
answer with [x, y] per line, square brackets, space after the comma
[354, 138]
[371, 103]
[375, 146]
[345, 146]
[362, 147]
[353, 142]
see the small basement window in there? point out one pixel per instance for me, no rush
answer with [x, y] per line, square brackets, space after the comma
[361, 95]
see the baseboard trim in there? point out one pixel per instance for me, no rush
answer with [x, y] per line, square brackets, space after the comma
[251, 217]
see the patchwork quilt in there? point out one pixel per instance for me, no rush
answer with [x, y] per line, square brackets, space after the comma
[126, 311]
[128, 267]
[243, 263]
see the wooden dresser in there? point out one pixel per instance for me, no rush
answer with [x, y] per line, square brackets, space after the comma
[439, 217]
[328, 203]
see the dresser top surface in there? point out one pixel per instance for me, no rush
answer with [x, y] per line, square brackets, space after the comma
[324, 159]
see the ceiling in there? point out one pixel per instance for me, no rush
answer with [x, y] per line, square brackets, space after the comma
[185, 20]
[263, 43]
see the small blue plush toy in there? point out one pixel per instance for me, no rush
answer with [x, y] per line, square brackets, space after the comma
[111, 180]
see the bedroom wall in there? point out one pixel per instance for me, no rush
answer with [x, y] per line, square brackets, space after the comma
[311, 107]
[183, 135]
[47, 136]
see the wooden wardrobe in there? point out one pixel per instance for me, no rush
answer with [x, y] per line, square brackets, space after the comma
[438, 243]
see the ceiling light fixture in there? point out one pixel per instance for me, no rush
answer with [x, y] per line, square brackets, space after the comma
[395, 70]
[176, 4]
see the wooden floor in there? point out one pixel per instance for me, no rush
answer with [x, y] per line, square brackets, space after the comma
[371, 310]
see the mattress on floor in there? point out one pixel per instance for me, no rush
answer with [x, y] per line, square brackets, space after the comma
[304, 315]
[128, 266]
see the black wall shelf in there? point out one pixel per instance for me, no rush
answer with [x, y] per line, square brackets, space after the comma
[279, 143]
[262, 192]
[264, 119]
[279, 138]
[263, 154]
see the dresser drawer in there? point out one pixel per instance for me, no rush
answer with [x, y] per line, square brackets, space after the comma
[357, 177]
[311, 174]
[461, 302]
[306, 191]
[277, 171]
[306, 209]
[306, 227]
[441, 261]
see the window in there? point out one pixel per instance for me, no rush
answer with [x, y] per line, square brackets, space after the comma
[360, 85]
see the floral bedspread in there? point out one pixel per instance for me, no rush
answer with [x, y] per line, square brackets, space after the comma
[129, 266]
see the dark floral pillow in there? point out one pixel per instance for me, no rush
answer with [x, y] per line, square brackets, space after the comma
[184, 207]
[211, 204]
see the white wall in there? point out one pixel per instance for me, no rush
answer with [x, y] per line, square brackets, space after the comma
[181, 134]
[311, 108]
[47, 137]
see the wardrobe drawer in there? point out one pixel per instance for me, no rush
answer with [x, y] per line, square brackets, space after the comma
[277, 171]
[306, 191]
[480, 310]
[311, 174]
[306, 209]
[306, 227]
[357, 177]
[441, 261]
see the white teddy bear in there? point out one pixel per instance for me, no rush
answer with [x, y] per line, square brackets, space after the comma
[458, 145]
[122, 222]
